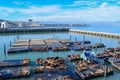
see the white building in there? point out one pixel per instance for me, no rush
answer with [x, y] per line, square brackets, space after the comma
[4, 24]
[20, 24]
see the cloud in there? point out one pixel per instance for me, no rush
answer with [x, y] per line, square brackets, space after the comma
[84, 3]
[25, 3]
[104, 12]
[5, 11]
[19, 3]
[101, 13]
[104, 4]
[40, 10]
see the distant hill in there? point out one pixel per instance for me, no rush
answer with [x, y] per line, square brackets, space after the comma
[1, 20]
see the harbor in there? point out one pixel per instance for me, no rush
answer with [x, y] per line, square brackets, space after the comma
[37, 41]
[60, 40]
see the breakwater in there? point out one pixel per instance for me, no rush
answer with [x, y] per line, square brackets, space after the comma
[104, 34]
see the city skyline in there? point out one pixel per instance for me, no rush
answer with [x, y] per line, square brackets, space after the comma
[60, 11]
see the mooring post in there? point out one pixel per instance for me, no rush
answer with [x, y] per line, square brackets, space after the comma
[5, 51]
[119, 43]
[29, 43]
[70, 37]
[14, 39]
[115, 53]
[18, 37]
[100, 40]
[10, 43]
[58, 37]
[84, 38]
[105, 71]
[96, 49]
[75, 39]
[53, 35]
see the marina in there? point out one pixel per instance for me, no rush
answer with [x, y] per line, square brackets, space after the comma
[60, 40]
[41, 47]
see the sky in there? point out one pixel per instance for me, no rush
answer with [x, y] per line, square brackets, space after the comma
[60, 10]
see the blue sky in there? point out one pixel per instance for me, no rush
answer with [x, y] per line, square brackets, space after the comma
[61, 10]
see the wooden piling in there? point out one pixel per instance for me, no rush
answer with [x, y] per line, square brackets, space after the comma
[105, 72]
[5, 51]
[100, 40]
[75, 39]
[14, 39]
[10, 43]
[70, 37]
[84, 38]
[53, 36]
[18, 37]
[29, 42]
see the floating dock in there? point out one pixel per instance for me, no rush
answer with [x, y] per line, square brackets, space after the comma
[18, 49]
[50, 64]
[104, 34]
[10, 73]
[92, 70]
[73, 57]
[61, 75]
[26, 45]
[14, 63]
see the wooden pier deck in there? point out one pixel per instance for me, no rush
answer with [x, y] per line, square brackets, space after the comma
[104, 34]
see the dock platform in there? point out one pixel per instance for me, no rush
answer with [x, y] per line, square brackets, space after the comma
[14, 63]
[61, 75]
[10, 73]
[18, 49]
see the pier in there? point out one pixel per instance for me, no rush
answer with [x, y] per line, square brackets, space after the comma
[104, 34]
[26, 30]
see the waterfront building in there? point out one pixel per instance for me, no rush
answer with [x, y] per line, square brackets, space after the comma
[3, 24]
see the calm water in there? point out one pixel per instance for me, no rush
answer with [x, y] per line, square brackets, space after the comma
[5, 39]
[102, 27]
